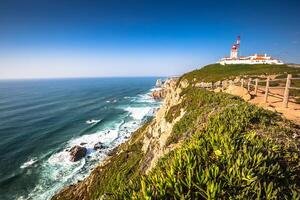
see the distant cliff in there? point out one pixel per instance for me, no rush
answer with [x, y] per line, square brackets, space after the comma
[202, 145]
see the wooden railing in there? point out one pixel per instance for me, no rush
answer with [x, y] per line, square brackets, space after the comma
[254, 83]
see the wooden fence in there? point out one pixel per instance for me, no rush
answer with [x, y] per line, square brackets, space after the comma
[254, 83]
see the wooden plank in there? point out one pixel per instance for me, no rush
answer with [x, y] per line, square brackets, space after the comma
[286, 91]
[281, 79]
[294, 88]
[249, 84]
[256, 86]
[275, 87]
[267, 90]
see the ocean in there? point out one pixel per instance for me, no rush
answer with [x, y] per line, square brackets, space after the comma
[40, 120]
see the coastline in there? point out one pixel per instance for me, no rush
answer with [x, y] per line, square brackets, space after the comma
[145, 149]
[114, 137]
[96, 110]
[191, 119]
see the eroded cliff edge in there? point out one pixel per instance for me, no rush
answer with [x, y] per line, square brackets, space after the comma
[133, 158]
[201, 145]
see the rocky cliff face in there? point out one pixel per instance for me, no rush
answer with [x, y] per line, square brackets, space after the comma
[154, 142]
[150, 143]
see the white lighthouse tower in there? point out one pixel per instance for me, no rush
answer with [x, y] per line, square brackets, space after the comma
[235, 49]
[235, 58]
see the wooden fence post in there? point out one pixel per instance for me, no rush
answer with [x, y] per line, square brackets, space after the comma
[242, 82]
[256, 86]
[267, 89]
[249, 84]
[286, 91]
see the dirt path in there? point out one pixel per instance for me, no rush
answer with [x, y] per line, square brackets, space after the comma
[275, 104]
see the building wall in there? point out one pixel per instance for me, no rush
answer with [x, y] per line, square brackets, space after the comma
[249, 61]
[233, 54]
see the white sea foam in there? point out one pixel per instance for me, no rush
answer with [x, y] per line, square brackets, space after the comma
[29, 163]
[145, 98]
[138, 113]
[155, 89]
[59, 171]
[61, 158]
[93, 121]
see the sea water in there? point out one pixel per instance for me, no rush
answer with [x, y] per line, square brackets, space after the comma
[40, 120]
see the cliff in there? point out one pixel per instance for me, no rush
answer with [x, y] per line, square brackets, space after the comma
[201, 145]
[135, 157]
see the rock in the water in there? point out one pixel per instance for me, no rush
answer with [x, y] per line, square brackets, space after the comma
[83, 143]
[238, 91]
[159, 94]
[77, 152]
[99, 145]
[158, 83]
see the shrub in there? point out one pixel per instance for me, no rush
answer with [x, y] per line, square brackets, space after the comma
[226, 160]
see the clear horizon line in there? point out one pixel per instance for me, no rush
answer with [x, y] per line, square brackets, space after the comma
[83, 77]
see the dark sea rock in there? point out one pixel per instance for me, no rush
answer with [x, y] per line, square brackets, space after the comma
[99, 145]
[77, 152]
[83, 143]
[110, 153]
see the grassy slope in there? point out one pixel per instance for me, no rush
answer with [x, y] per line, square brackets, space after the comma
[216, 72]
[234, 150]
[231, 149]
[241, 152]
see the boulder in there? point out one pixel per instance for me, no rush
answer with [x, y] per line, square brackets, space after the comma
[99, 145]
[218, 89]
[77, 152]
[237, 80]
[184, 83]
[158, 83]
[225, 83]
[238, 91]
[159, 94]
[218, 83]
[198, 85]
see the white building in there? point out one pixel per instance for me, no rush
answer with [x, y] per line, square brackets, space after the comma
[252, 59]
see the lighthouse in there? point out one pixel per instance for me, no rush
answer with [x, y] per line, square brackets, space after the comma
[235, 49]
[235, 58]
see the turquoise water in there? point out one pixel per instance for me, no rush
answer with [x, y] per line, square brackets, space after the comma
[41, 119]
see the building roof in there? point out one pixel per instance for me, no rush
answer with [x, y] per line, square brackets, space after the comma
[260, 58]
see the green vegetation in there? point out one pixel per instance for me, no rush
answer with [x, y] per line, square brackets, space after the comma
[229, 150]
[293, 92]
[121, 168]
[111, 178]
[198, 106]
[242, 152]
[216, 72]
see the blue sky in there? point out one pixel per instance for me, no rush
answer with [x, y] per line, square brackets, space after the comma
[58, 38]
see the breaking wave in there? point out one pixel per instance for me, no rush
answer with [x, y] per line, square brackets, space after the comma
[58, 171]
[28, 163]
